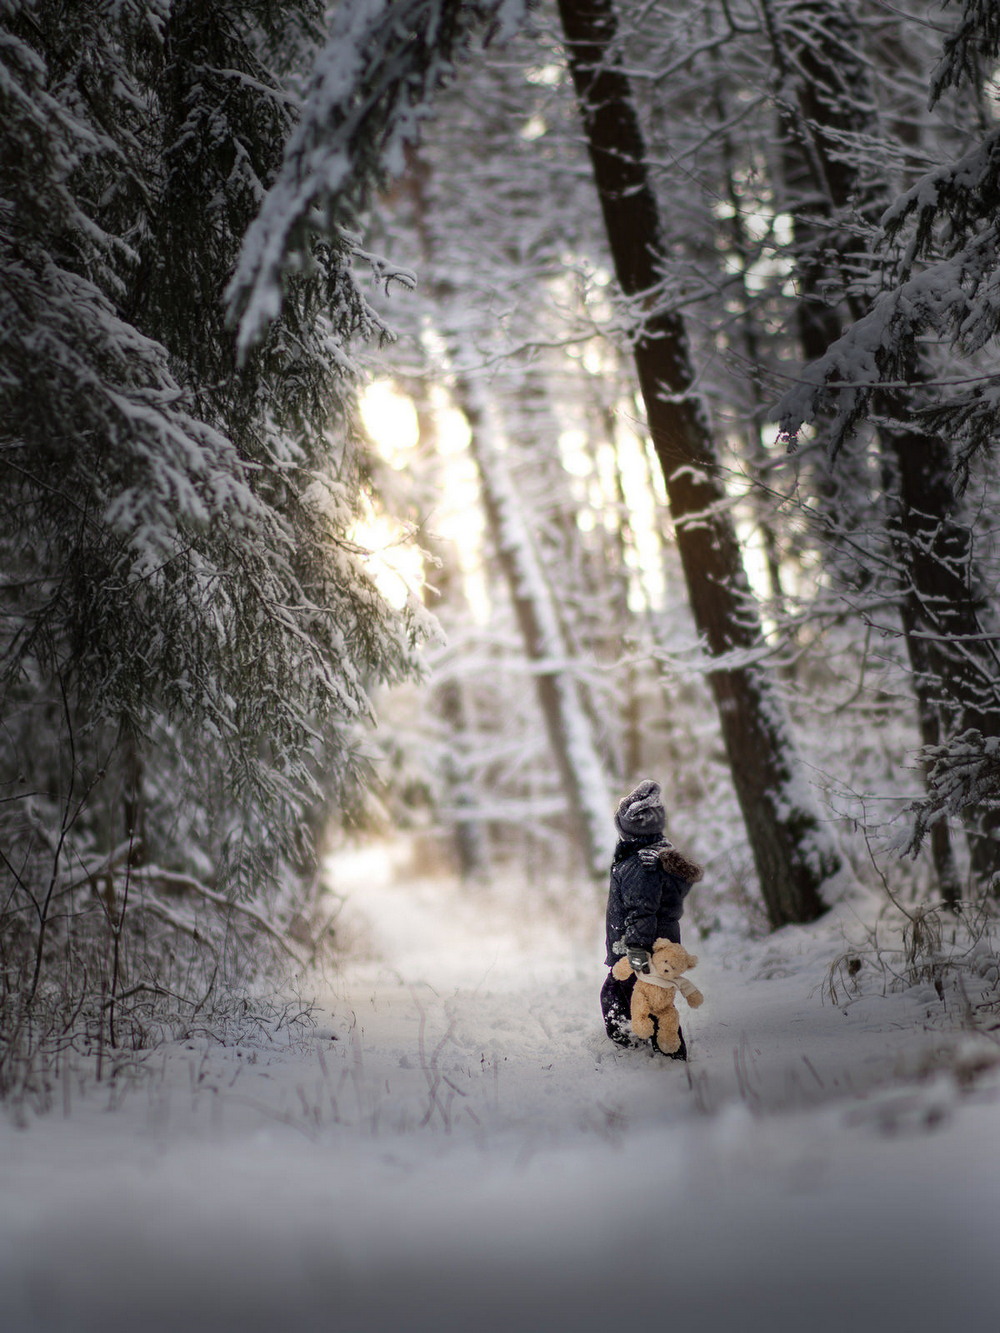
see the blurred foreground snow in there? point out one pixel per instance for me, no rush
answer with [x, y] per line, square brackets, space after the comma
[458, 1146]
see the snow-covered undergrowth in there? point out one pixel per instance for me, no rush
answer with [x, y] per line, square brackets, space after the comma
[455, 1144]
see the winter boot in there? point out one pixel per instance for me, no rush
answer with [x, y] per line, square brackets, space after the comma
[680, 1054]
[616, 1006]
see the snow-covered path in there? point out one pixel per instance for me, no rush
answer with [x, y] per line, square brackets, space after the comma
[458, 1146]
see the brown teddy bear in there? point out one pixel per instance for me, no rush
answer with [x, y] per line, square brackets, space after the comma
[653, 1008]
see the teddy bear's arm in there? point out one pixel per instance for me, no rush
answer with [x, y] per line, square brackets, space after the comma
[622, 970]
[690, 991]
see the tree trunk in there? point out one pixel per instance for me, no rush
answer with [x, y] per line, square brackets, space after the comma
[945, 619]
[567, 724]
[817, 45]
[530, 428]
[793, 849]
[470, 840]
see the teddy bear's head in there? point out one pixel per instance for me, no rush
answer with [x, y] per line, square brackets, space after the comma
[668, 960]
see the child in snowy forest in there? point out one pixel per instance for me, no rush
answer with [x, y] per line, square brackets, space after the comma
[649, 881]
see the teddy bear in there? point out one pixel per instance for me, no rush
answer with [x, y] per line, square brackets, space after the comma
[653, 1008]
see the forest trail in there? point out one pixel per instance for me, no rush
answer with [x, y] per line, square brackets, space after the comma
[457, 1146]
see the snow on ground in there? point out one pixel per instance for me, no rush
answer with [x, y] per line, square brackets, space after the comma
[457, 1146]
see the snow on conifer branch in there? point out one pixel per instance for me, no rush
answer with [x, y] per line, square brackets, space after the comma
[877, 346]
[953, 297]
[973, 44]
[370, 91]
[963, 772]
[208, 635]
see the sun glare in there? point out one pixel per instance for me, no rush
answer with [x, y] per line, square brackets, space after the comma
[394, 561]
[455, 518]
[608, 475]
[390, 421]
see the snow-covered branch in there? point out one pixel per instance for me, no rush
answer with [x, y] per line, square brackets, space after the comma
[370, 91]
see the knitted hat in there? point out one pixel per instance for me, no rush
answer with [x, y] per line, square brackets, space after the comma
[641, 813]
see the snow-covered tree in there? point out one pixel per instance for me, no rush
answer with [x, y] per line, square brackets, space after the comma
[938, 259]
[793, 849]
[188, 630]
[492, 266]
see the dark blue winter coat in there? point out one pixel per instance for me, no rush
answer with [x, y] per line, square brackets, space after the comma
[646, 894]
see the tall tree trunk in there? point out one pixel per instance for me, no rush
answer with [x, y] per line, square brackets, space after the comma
[471, 844]
[531, 428]
[793, 849]
[750, 335]
[817, 45]
[567, 723]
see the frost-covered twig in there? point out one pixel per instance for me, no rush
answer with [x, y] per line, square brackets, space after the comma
[186, 883]
[961, 773]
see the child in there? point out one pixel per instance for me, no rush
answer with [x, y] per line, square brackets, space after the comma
[649, 881]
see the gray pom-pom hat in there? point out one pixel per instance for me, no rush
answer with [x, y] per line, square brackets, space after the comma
[641, 814]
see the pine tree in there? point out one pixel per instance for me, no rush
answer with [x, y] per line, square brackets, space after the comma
[941, 236]
[188, 631]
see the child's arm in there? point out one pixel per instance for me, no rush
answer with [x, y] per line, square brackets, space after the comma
[640, 892]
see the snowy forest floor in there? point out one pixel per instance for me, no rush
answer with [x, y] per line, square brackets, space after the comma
[456, 1145]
